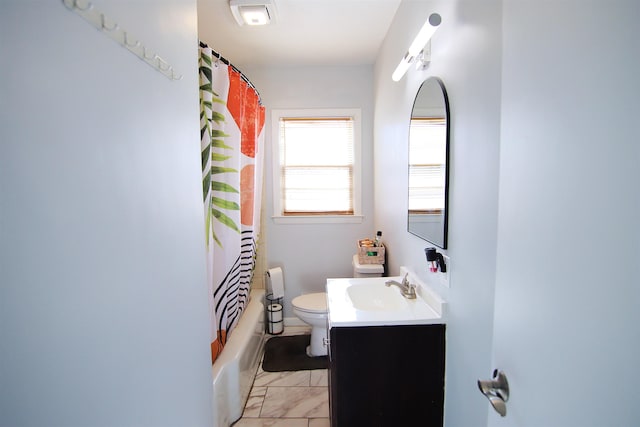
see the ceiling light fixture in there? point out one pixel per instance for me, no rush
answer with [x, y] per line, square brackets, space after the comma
[253, 12]
[418, 50]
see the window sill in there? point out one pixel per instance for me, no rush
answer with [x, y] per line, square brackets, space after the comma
[425, 218]
[319, 219]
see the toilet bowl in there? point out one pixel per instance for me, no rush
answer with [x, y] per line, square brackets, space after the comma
[312, 308]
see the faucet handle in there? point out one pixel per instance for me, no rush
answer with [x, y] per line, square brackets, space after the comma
[411, 291]
[405, 280]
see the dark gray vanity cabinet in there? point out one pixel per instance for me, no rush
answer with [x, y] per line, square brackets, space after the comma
[387, 376]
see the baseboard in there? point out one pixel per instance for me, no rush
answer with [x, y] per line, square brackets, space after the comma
[293, 321]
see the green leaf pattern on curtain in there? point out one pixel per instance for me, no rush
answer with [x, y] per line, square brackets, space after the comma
[214, 153]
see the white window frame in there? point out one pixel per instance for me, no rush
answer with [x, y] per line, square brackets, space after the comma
[278, 216]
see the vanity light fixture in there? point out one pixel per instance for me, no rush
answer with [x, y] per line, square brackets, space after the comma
[253, 12]
[418, 52]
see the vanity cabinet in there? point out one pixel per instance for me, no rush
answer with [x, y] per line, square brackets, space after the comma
[387, 375]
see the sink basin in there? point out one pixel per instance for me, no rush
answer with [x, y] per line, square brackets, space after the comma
[376, 297]
[356, 302]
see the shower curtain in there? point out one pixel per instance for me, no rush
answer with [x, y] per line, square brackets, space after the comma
[232, 140]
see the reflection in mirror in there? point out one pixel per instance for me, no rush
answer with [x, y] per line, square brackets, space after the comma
[428, 169]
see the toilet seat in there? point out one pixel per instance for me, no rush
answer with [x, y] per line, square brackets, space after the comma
[311, 303]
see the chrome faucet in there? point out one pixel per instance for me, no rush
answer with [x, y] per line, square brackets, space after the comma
[406, 289]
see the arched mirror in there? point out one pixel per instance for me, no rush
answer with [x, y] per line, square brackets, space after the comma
[428, 168]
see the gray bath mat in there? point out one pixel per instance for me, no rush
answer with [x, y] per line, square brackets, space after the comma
[289, 353]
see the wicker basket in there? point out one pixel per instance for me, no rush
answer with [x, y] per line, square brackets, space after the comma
[370, 254]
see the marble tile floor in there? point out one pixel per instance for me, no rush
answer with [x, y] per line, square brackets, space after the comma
[288, 399]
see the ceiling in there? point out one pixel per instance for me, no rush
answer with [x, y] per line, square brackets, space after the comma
[306, 32]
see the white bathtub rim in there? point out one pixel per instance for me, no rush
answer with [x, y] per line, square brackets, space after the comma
[231, 381]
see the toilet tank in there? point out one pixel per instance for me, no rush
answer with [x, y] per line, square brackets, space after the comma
[366, 270]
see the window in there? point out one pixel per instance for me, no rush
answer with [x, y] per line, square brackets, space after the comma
[426, 178]
[316, 164]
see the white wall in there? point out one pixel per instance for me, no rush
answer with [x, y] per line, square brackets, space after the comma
[310, 253]
[103, 303]
[466, 53]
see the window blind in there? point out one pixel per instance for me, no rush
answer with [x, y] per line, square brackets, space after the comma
[427, 165]
[316, 160]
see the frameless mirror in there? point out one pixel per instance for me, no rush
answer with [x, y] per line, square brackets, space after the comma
[428, 169]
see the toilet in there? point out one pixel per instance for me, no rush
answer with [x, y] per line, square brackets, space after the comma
[312, 308]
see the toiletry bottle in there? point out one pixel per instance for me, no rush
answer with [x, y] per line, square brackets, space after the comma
[378, 241]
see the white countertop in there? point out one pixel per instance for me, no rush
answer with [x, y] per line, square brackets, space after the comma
[426, 309]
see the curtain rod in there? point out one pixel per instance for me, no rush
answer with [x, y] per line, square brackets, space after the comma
[234, 68]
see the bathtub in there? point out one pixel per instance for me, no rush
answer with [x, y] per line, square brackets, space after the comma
[235, 368]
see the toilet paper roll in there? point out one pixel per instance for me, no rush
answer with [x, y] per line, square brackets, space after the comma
[276, 325]
[276, 282]
[276, 328]
[275, 312]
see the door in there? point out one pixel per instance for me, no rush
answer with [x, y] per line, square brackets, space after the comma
[567, 305]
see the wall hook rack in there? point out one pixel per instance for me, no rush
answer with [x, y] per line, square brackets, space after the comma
[111, 28]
